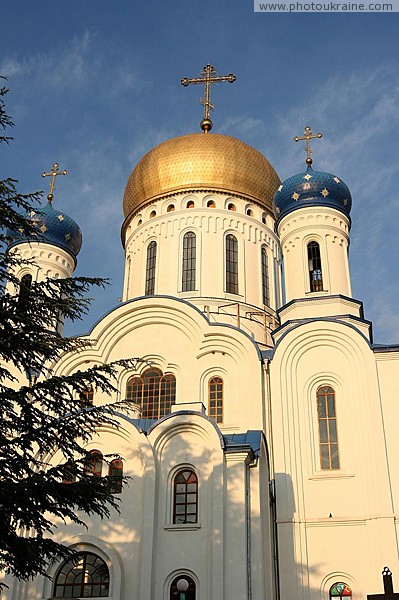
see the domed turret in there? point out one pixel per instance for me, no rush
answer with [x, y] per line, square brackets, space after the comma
[311, 188]
[53, 227]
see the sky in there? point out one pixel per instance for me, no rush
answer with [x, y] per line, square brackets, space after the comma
[94, 85]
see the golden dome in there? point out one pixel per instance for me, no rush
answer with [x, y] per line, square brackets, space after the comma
[201, 161]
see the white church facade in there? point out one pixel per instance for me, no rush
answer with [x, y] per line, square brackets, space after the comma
[263, 449]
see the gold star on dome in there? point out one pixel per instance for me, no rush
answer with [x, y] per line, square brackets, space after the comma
[60, 218]
[21, 230]
[32, 213]
[67, 236]
[337, 180]
[280, 188]
[43, 228]
[295, 196]
[324, 193]
[345, 202]
[278, 211]
[308, 176]
[306, 186]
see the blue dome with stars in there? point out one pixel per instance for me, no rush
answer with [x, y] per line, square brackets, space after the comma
[53, 227]
[312, 188]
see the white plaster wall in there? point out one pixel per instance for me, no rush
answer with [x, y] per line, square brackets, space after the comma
[210, 225]
[328, 227]
[329, 520]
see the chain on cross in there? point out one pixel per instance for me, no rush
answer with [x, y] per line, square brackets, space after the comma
[208, 77]
[308, 135]
[53, 174]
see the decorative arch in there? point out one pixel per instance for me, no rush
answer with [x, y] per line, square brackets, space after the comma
[153, 391]
[24, 289]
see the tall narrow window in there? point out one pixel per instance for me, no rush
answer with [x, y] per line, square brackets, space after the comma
[154, 392]
[177, 586]
[185, 497]
[85, 575]
[150, 269]
[94, 463]
[24, 290]
[314, 261]
[115, 471]
[189, 259]
[339, 591]
[231, 264]
[265, 277]
[329, 456]
[215, 410]
[87, 396]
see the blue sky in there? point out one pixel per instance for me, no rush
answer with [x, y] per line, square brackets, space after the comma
[94, 85]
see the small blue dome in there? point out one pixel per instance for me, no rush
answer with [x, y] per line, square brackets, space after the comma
[312, 188]
[53, 227]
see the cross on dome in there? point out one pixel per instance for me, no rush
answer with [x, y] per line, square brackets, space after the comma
[208, 77]
[308, 135]
[53, 174]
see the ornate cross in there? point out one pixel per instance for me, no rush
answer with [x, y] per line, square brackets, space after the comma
[308, 135]
[53, 174]
[209, 77]
[388, 594]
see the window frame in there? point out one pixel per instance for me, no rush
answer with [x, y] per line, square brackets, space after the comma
[231, 266]
[189, 262]
[314, 266]
[327, 428]
[83, 584]
[265, 279]
[159, 406]
[213, 412]
[186, 492]
[150, 268]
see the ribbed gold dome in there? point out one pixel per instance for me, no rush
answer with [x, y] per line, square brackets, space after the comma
[201, 161]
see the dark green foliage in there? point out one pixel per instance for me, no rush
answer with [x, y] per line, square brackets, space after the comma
[43, 414]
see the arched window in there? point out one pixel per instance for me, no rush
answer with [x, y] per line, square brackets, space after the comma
[150, 269]
[185, 497]
[154, 392]
[189, 260]
[211, 204]
[190, 204]
[87, 396]
[314, 262]
[265, 278]
[340, 590]
[85, 575]
[328, 435]
[231, 264]
[24, 289]
[215, 396]
[115, 471]
[176, 588]
[94, 463]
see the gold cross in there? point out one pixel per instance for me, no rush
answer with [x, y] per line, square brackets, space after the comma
[53, 174]
[208, 73]
[308, 135]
